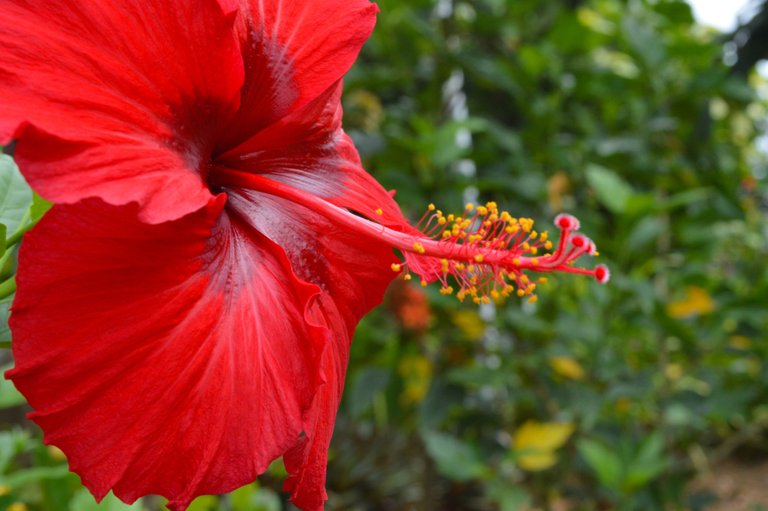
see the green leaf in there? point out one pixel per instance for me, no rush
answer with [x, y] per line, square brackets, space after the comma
[34, 475]
[11, 442]
[455, 459]
[369, 383]
[84, 501]
[648, 464]
[9, 396]
[39, 207]
[509, 498]
[204, 503]
[3, 234]
[5, 332]
[15, 195]
[610, 189]
[605, 463]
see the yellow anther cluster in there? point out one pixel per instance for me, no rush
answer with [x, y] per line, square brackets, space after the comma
[379, 211]
[396, 267]
[486, 251]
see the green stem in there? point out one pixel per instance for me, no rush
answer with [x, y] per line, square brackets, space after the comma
[7, 288]
[5, 345]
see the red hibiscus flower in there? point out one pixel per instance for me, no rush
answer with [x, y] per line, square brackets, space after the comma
[184, 312]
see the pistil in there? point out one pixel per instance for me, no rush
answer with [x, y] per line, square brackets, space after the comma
[486, 252]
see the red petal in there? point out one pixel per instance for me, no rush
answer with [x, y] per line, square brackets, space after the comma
[309, 150]
[293, 51]
[177, 358]
[353, 273]
[123, 98]
[307, 462]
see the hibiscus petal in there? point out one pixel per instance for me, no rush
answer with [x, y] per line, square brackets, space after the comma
[309, 150]
[353, 273]
[293, 51]
[178, 358]
[118, 100]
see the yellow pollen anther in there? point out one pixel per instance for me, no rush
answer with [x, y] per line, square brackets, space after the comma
[482, 210]
[396, 267]
[469, 206]
[543, 280]
[478, 258]
[521, 293]
[423, 283]
[407, 277]
[379, 211]
[446, 234]
[516, 261]
[431, 207]
[535, 261]
[533, 299]
[548, 245]
[418, 247]
[442, 220]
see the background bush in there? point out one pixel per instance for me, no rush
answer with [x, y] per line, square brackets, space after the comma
[624, 113]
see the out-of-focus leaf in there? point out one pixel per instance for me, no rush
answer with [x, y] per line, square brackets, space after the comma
[509, 497]
[39, 207]
[84, 501]
[455, 458]
[9, 396]
[610, 189]
[365, 387]
[204, 503]
[5, 313]
[15, 194]
[32, 475]
[604, 461]
[648, 463]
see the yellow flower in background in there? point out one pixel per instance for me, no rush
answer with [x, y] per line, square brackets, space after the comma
[673, 372]
[567, 367]
[739, 342]
[17, 506]
[696, 302]
[470, 323]
[536, 443]
[557, 188]
[55, 453]
[417, 375]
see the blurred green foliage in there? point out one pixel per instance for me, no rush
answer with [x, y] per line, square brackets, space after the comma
[595, 397]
